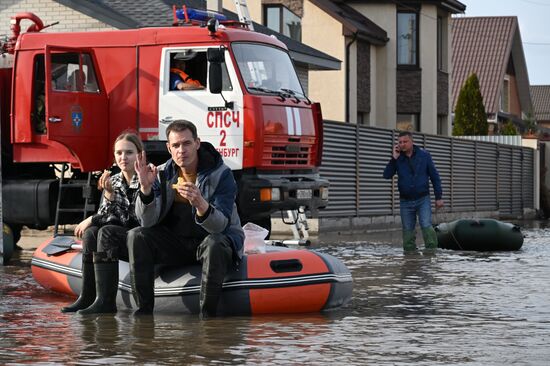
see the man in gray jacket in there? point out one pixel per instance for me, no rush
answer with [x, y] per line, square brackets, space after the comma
[188, 214]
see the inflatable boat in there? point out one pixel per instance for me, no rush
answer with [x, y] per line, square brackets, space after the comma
[281, 280]
[479, 235]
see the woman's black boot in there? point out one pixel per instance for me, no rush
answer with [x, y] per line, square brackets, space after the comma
[106, 282]
[87, 295]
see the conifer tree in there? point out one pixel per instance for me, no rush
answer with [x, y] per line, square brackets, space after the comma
[470, 116]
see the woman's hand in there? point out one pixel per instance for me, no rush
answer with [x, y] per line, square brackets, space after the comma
[80, 228]
[104, 184]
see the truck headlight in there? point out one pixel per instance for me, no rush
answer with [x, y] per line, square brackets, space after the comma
[324, 193]
[270, 194]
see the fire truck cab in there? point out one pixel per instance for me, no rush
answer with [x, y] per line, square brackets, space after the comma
[71, 94]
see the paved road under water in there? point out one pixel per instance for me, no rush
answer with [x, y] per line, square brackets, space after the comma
[450, 308]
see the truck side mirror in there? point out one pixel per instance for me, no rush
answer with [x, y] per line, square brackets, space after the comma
[215, 56]
[215, 77]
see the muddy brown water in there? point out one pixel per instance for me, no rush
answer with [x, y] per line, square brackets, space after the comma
[447, 308]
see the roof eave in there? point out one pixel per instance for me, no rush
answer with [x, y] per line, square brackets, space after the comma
[353, 31]
[453, 6]
[314, 63]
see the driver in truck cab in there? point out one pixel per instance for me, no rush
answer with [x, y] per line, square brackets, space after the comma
[179, 79]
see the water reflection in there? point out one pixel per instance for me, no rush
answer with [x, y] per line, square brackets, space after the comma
[445, 308]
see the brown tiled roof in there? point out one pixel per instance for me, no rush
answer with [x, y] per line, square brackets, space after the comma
[540, 95]
[482, 45]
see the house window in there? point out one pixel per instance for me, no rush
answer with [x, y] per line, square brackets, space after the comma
[282, 20]
[187, 70]
[407, 38]
[505, 96]
[408, 122]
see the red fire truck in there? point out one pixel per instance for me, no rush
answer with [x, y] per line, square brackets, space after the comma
[64, 97]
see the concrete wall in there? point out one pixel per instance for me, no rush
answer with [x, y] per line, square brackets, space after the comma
[383, 65]
[428, 65]
[327, 87]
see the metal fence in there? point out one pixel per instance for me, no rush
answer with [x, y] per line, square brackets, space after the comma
[476, 175]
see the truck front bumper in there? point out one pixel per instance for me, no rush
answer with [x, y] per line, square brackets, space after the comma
[263, 194]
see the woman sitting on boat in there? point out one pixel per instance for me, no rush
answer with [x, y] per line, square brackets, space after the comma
[104, 234]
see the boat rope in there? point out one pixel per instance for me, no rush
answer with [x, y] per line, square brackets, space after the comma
[456, 241]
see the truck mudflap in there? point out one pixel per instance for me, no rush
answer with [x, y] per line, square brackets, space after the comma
[263, 194]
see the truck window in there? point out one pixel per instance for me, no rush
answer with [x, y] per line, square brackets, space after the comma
[38, 114]
[70, 75]
[265, 68]
[188, 71]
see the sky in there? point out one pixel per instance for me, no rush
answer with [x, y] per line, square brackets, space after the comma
[533, 17]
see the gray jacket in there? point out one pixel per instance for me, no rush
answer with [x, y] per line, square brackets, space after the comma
[217, 185]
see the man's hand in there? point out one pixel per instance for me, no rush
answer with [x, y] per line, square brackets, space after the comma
[396, 151]
[147, 173]
[188, 86]
[439, 204]
[193, 194]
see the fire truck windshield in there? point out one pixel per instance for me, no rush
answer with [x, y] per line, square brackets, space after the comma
[266, 69]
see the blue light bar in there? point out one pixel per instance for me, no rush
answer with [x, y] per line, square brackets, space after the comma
[199, 15]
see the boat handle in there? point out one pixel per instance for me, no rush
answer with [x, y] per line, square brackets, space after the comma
[286, 265]
[477, 223]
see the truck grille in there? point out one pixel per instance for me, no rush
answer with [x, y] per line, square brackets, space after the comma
[290, 152]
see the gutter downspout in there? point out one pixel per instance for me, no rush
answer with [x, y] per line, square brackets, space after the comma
[494, 121]
[348, 46]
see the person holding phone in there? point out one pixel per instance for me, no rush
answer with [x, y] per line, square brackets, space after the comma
[415, 169]
[104, 233]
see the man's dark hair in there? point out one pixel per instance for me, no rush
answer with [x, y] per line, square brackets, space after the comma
[405, 133]
[181, 125]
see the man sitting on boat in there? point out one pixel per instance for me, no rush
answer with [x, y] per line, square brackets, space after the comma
[188, 214]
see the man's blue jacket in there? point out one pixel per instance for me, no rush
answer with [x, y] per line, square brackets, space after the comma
[413, 174]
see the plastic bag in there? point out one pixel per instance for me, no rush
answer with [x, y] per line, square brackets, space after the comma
[254, 236]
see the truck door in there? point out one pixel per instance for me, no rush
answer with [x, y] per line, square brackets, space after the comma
[77, 109]
[220, 125]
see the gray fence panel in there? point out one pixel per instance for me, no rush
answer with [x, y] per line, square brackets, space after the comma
[528, 183]
[463, 176]
[486, 176]
[376, 194]
[517, 172]
[505, 180]
[476, 175]
[339, 167]
[440, 148]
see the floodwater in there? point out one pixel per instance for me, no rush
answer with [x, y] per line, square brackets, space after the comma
[447, 308]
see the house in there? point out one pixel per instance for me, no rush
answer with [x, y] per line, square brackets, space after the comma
[491, 47]
[83, 15]
[396, 57]
[540, 96]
